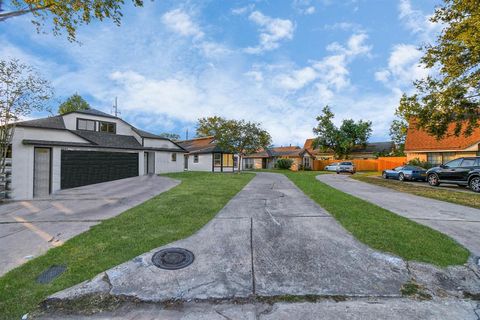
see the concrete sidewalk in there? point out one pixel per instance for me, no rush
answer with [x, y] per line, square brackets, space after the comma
[459, 222]
[352, 309]
[269, 241]
[29, 228]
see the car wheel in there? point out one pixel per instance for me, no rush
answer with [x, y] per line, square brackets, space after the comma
[384, 175]
[401, 177]
[475, 184]
[338, 172]
[433, 180]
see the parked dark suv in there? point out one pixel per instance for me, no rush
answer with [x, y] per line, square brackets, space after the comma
[461, 171]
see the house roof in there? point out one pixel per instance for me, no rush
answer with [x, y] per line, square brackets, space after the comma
[291, 151]
[148, 135]
[102, 139]
[93, 112]
[55, 122]
[371, 147]
[420, 140]
[200, 145]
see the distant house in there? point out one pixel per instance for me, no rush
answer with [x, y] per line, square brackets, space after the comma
[419, 144]
[205, 155]
[370, 151]
[267, 158]
[84, 147]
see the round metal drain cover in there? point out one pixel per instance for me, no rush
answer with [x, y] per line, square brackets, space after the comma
[173, 258]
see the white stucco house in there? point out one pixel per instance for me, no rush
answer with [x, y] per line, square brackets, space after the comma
[205, 155]
[81, 148]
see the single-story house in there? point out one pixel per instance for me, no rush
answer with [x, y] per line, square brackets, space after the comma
[419, 144]
[205, 155]
[268, 157]
[369, 151]
[84, 147]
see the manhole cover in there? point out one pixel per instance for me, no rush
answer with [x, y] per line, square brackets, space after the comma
[172, 258]
[51, 274]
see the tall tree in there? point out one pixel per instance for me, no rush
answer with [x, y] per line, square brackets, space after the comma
[66, 15]
[399, 128]
[74, 103]
[171, 136]
[235, 136]
[22, 90]
[452, 93]
[340, 140]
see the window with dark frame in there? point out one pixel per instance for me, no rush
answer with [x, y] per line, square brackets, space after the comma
[195, 158]
[217, 159]
[174, 157]
[109, 127]
[84, 124]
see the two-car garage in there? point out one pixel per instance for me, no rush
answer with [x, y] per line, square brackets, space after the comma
[80, 168]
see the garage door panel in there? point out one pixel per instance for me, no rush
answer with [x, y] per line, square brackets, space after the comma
[80, 168]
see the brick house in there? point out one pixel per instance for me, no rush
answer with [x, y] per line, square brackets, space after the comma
[419, 144]
[267, 158]
[369, 151]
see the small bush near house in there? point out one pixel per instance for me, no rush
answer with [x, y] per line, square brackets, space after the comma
[417, 162]
[284, 164]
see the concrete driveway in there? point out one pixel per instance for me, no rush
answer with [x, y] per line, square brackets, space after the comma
[459, 222]
[29, 228]
[270, 240]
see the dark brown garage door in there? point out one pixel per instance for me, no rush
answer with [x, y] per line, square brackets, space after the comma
[80, 168]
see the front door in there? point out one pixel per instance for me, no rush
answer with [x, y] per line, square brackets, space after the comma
[41, 172]
[185, 162]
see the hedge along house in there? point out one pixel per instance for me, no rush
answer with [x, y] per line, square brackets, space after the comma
[370, 151]
[81, 148]
[420, 145]
[267, 158]
[205, 155]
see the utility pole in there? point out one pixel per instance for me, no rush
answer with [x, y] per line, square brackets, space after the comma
[186, 135]
[115, 108]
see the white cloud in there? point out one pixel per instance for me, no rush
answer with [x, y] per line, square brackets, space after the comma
[403, 67]
[297, 79]
[304, 7]
[180, 22]
[272, 32]
[417, 22]
[243, 10]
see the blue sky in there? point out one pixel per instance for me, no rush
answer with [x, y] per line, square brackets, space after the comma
[275, 62]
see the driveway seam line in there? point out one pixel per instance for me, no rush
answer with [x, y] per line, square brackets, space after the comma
[251, 257]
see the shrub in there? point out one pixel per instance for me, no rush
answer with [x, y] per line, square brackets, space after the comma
[284, 164]
[417, 162]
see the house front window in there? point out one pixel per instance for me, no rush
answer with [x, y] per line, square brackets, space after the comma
[84, 124]
[195, 158]
[306, 162]
[217, 159]
[174, 157]
[248, 163]
[106, 127]
[438, 158]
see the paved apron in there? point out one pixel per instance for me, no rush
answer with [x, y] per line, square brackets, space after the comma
[459, 222]
[270, 239]
[29, 228]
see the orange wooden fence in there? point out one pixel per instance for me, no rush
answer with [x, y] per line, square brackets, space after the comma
[379, 164]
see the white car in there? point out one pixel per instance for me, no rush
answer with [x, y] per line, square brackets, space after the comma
[332, 166]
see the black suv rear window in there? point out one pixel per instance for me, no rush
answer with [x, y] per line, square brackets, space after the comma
[346, 163]
[468, 163]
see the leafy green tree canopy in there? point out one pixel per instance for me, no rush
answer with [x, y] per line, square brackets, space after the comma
[341, 140]
[452, 93]
[67, 15]
[236, 136]
[74, 103]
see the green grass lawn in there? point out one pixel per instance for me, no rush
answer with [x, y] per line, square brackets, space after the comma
[379, 228]
[170, 216]
[469, 199]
